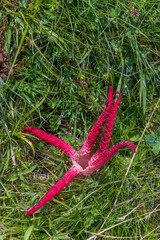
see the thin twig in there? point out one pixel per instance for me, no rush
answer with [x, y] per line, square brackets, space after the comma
[150, 232]
[153, 52]
[104, 230]
[115, 237]
[69, 237]
[155, 210]
[124, 217]
[111, 227]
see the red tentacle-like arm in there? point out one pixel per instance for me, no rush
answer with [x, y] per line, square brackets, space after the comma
[57, 142]
[107, 132]
[95, 130]
[67, 177]
[106, 156]
[106, 135]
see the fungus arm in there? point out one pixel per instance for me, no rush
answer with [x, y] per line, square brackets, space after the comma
[106, 156]
[67, 177]
[106, 135]
[94, 132]
[57, 142]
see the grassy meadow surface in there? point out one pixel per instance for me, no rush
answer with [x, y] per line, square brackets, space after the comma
[64, 56]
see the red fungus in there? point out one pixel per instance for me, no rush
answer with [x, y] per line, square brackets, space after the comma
[82, 161]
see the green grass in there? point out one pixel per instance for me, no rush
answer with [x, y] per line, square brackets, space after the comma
[65, 55]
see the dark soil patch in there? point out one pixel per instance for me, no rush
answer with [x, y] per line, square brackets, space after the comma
[4, 69]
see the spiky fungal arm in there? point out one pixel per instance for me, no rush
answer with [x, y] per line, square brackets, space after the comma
[67, 177]
[106, 156]
[95, 130]
[57, 142]
[106, 135]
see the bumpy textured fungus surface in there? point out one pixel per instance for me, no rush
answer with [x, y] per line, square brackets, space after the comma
[83, 162]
